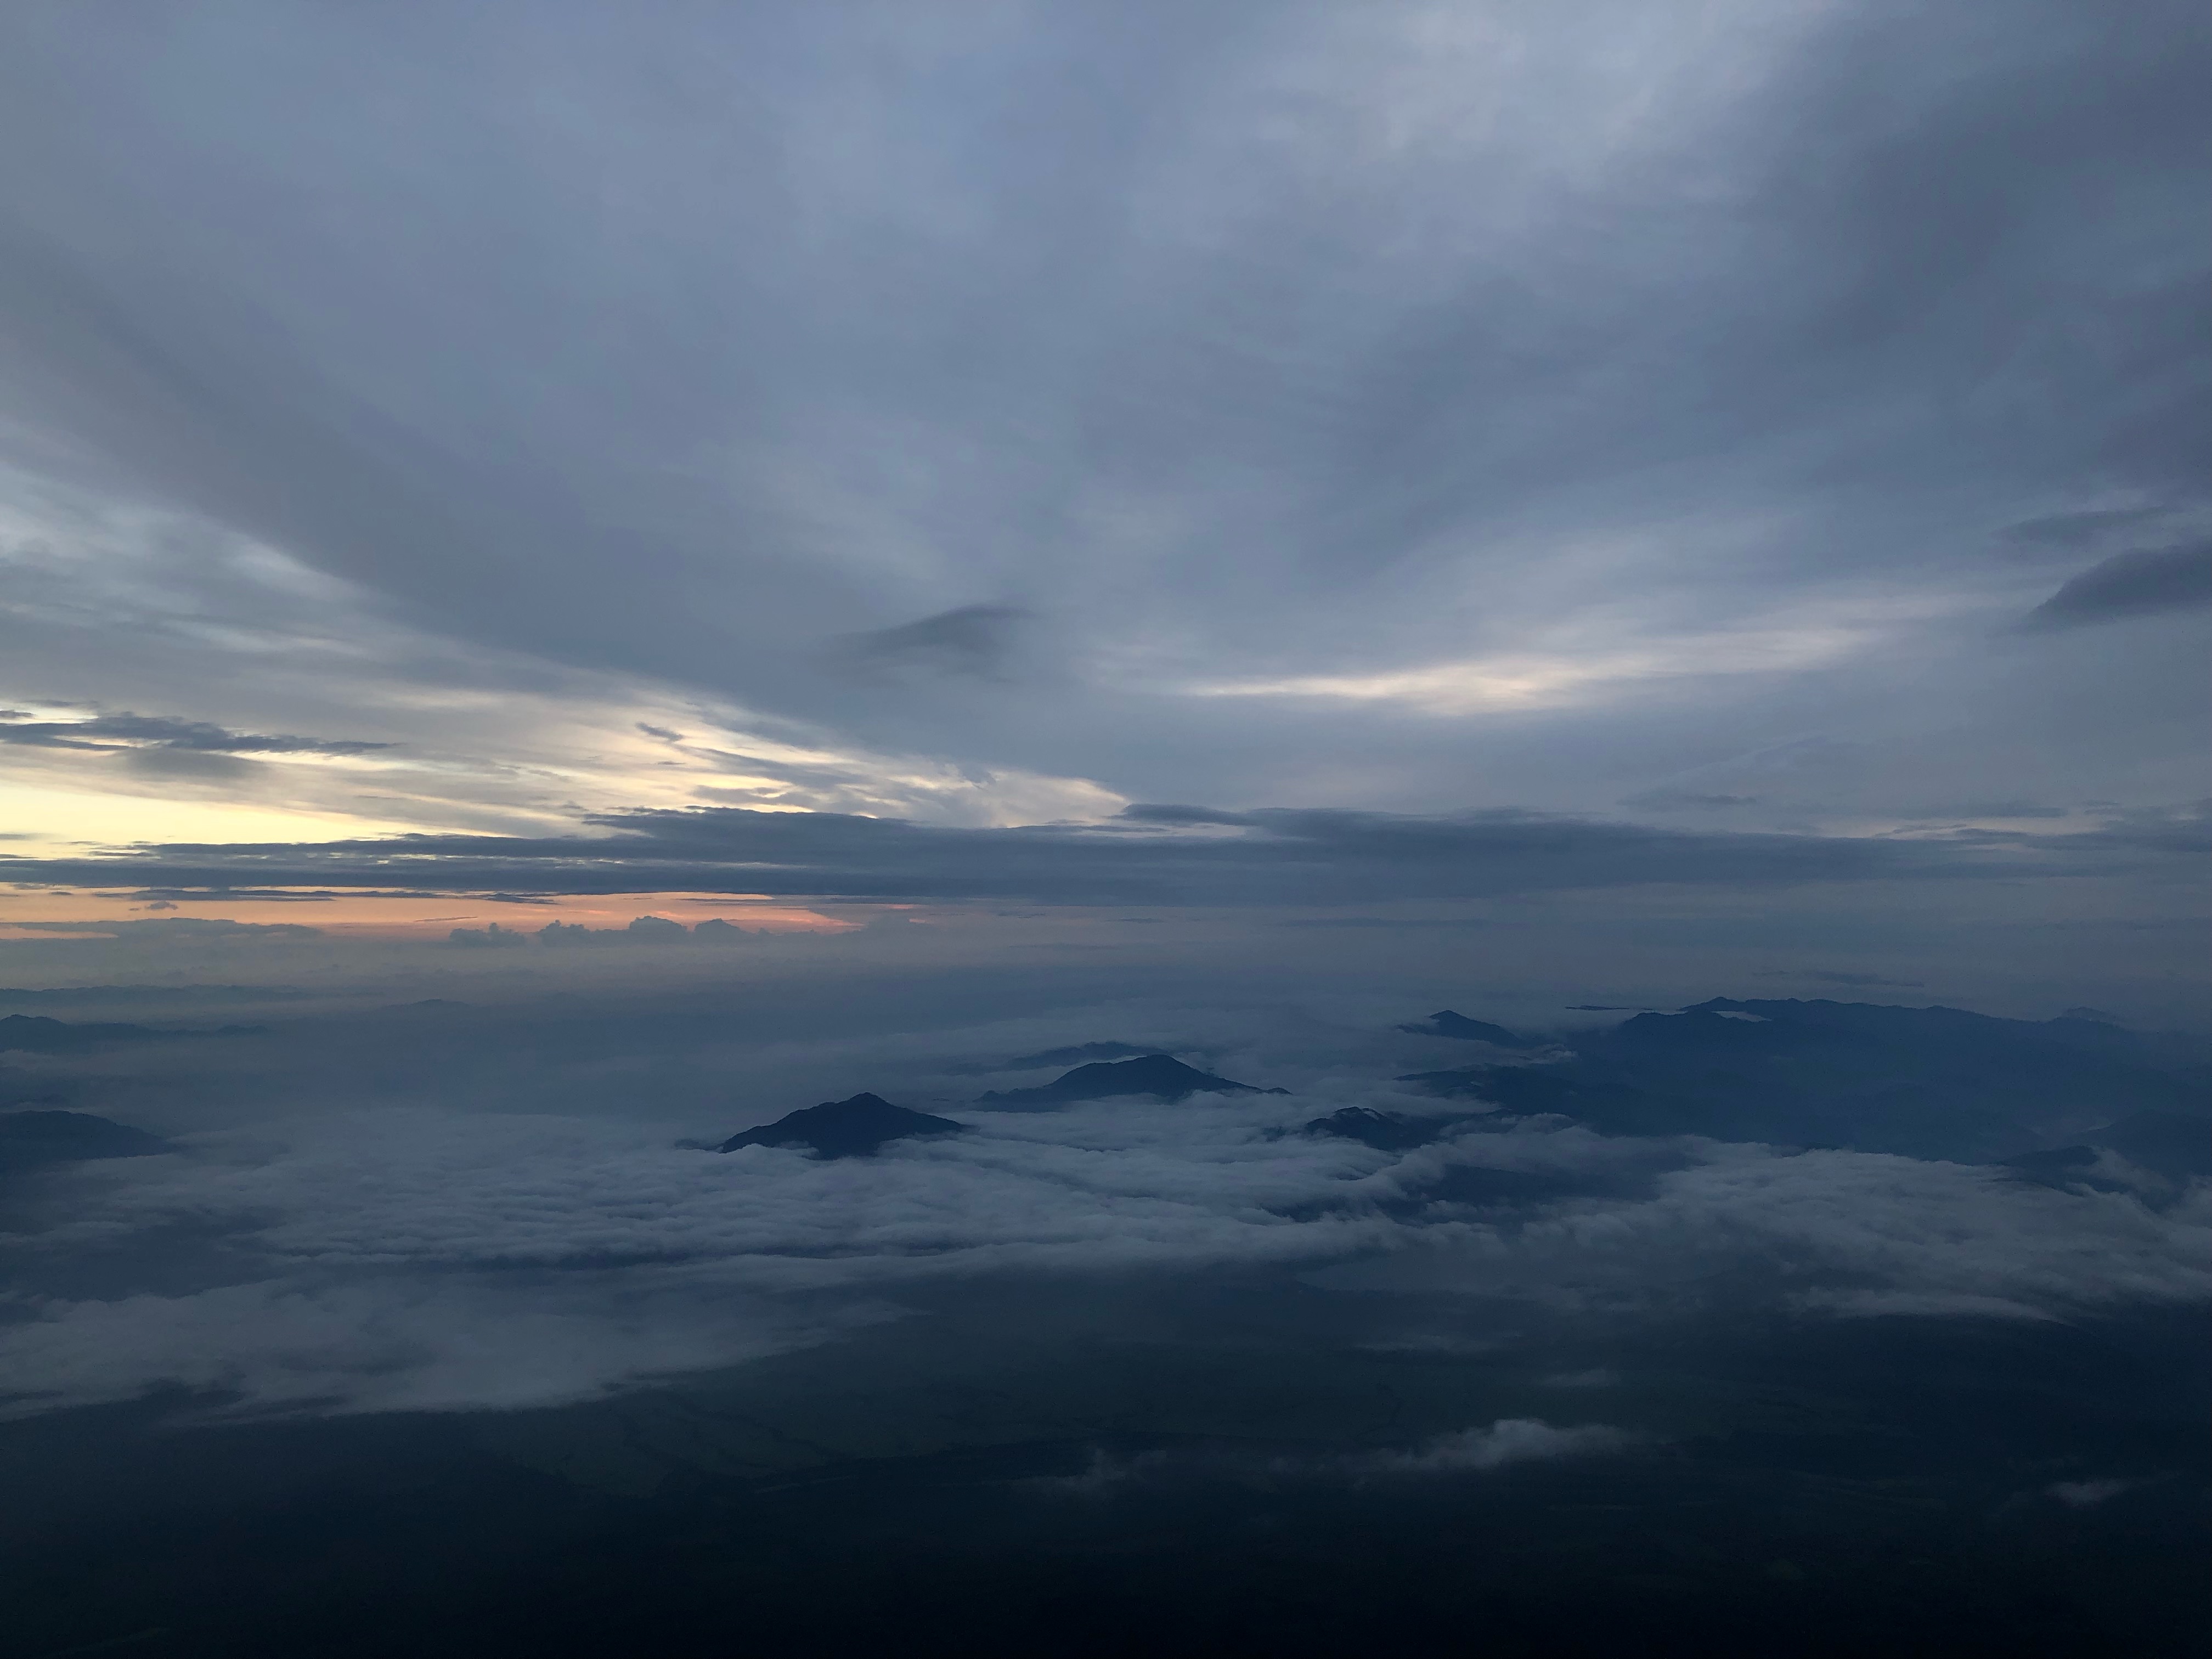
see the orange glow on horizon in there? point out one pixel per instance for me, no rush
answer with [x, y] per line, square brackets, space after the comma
[364, 916]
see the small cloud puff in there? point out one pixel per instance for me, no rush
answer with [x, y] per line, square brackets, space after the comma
[2088, 1494]
[1508, 1440]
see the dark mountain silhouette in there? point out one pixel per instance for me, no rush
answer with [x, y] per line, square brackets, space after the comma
[1446, 1023]
[1073, 1055]
[1923, 1082]
[844, 1129]
[30, 1140]
[1928, 1031]
[1159, 1075]
[40, 1034]
[1388, 1132]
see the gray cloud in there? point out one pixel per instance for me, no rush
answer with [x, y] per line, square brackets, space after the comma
[1505, 1442]
[642, 930]
[2146, 582]
[1508, 1440]
[2088, 1494]
[2072, 530]
[303, 1344]
[1852, 1234]
[1259, 357]
[183, 927]
[974, 642]
[1662, 800]
[142, 733]
[1153, 855]
[1834, 976]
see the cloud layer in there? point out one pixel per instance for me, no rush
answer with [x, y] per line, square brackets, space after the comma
[397, 1256]
[1440, 408]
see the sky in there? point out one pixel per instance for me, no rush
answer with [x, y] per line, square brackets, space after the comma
[1731, 471]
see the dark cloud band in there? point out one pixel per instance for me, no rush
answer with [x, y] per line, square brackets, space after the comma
[1153, 855]
[159, 732]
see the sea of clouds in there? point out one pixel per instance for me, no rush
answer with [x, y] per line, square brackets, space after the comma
[415, 1253]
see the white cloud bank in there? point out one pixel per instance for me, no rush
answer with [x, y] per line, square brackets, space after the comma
[418, 1259]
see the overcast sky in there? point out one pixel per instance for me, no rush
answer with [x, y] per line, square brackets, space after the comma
[1769, 420]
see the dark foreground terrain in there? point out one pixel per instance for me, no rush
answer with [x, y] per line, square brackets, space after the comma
[1894, 1487]
[1760, 1329]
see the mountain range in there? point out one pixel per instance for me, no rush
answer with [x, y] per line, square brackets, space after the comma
[1922, 1082]
[41, 1034]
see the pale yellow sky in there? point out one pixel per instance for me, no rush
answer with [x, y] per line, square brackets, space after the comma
[47, 820]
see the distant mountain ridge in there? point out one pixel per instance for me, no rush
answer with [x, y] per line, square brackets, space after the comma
[1386, 1132]
[1923, 1082]
[42, 1034]
[36, 1140]
[1446, 1023]
[1161, 1075]
[1073, 1054]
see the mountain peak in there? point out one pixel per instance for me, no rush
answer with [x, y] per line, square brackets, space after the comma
[844, 1129]
[1162, 1076]
[1386, 1132]
[1446, 1023]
